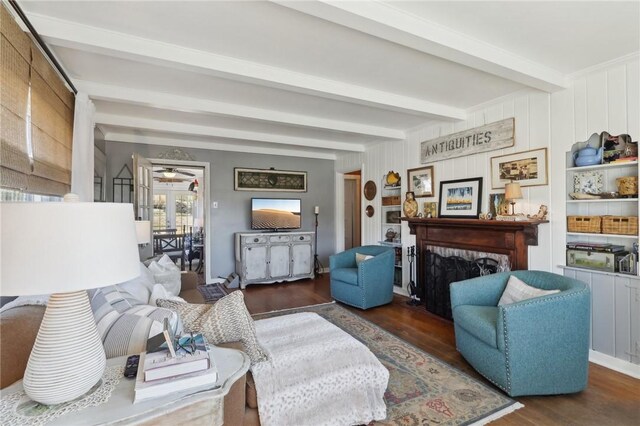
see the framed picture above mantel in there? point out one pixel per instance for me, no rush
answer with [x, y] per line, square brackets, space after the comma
[461, 198]
[528, 168]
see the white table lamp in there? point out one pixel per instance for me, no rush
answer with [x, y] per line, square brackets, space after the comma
[81, 246]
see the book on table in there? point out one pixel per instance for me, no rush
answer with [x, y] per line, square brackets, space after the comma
[193, 381]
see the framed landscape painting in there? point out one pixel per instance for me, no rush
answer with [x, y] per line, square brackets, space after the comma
[528, 168]
[460, 199]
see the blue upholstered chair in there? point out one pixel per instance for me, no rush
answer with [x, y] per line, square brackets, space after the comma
[365, 285]
[538, 346]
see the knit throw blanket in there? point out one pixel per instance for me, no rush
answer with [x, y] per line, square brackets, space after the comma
[316, 374]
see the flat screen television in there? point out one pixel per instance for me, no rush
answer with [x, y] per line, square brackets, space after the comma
[275, 213]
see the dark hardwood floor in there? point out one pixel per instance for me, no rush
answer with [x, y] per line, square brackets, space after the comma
[610, 399]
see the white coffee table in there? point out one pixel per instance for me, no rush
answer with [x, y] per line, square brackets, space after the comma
[201, 407]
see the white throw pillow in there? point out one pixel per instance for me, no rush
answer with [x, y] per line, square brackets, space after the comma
[159, 292]
[141, 286]
[362, 257]
[517, 291]
[167, 275]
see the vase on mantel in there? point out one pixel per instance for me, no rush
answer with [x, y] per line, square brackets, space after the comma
[410, 205]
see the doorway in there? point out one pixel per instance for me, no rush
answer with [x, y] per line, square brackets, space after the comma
[178, 208]
[352, 231]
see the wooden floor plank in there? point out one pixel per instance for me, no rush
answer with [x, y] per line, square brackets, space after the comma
[610, 399]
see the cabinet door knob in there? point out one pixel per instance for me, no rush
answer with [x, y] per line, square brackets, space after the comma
[301, 238]
[255, 240]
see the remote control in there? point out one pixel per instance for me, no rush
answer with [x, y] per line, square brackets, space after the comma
[131, 367]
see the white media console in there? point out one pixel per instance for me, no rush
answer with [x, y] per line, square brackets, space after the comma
[269, 257]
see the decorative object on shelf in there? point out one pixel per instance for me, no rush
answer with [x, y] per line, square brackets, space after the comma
[528, 168]
[391, 200]
[410, 205]
[618, 147]
[541, 215]
[583, 196]
[461, 198]
[392, 178]
[512, 218]
[620, 225]
[420, 181]
[269, 180]
[587, 156]
[512, 192]
[430, 209]
[390, 235]
[370, 190]
[627, 264]
[392, 216]
[498, 205]
[485, 216]
[598, 260]
[369, 210]
[590, 182]
[485, 138]
[627, 186]
[88, 245]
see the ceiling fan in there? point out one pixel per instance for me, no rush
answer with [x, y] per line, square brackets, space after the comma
[170, 172]
[163, 179]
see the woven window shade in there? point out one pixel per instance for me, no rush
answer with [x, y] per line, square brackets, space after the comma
[48, 170]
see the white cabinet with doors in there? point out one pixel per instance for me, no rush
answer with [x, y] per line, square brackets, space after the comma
[263, 258]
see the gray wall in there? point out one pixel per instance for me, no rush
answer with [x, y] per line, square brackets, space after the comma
[233, 212]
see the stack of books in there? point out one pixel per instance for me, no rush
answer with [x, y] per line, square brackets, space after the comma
[161, 373]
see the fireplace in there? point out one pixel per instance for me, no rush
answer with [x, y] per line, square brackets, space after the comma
[444, 266]
[469, 240]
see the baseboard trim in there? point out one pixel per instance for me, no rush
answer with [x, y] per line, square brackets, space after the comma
[616, 364]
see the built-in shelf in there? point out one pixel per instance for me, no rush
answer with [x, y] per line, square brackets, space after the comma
[595, 271]
[586, 234]
[603, 166]
[606, 200]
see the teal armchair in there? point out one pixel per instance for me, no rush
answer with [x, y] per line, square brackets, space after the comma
[365, 285]
[534, 347]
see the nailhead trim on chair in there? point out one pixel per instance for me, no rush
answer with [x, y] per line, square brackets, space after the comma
[504, 327]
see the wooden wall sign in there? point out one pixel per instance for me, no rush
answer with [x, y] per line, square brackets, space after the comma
[485, 138]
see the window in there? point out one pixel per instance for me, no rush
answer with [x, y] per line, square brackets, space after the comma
[13, 195]
[160, 212]
[184, 211]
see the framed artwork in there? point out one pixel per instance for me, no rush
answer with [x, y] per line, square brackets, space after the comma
[421, 181]
[269, 180]
[528, 168]
[498, 205]
[460, 199]
[430, 209]
[392, 216]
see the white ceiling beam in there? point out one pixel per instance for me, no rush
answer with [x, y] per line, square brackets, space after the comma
[220, 146]
[219, 132]
[97, 40]
[390, 23]
[173, 102]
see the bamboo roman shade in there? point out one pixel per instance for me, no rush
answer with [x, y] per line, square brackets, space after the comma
[44, 165]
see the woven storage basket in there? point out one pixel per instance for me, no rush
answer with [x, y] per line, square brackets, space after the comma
[625, 225]
[391, 200]
[590, 224]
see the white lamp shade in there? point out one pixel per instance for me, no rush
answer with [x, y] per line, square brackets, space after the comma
[65, 247]
[512, 191]
[143, 231]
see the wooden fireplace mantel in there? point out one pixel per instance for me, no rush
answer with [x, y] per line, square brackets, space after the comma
[493, 236]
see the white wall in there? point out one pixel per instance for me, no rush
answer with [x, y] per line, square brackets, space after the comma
[604, 99]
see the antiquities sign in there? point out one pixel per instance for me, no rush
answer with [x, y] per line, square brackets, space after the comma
[489, 137]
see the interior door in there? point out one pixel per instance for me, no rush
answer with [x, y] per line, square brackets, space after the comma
[142, 188]
[351, 211]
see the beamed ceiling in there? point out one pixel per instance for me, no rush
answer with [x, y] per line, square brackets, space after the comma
[316, 78]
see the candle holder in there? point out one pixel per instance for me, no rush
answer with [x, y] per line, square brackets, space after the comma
[317, 266]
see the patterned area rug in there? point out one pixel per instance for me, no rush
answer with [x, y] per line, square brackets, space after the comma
[422, 390]
[212, 292]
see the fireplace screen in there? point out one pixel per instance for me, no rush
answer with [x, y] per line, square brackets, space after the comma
[441, 271]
